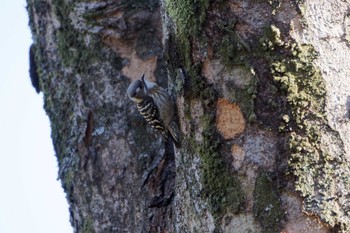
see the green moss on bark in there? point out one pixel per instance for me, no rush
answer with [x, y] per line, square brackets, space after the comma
[88, 226]
[221, 187]
[70, 42]
[267, 205]
[293, 74]
[308, 135]
[235, 54]
[189, 16]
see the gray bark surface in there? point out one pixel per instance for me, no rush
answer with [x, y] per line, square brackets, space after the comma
[261, 89]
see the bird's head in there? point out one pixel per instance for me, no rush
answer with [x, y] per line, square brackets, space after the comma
[137, 90]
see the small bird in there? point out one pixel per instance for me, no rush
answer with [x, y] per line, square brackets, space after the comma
[156, 106]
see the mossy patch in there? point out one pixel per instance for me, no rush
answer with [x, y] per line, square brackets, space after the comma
[235, 53]
[308, 135]
[71, 46]
[244, 96]
[189, 16]
[289, 83]
[67, 182]
[88, 226]
[267, 205]
[233, 49]
[221, 188]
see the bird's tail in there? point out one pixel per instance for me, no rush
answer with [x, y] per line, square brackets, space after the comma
[174, 134]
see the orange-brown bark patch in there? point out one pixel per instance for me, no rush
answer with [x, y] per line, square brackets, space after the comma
[238, 156]
[229, 119]
[135, 67]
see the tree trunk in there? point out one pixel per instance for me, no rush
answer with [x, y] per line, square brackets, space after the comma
[261, 90]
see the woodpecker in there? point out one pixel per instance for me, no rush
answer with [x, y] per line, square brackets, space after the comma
[156, 106]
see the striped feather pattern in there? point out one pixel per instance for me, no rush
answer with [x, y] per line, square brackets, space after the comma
[166, 108]
[149, 111]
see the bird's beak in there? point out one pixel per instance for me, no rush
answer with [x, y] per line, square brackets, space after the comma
[143, 81]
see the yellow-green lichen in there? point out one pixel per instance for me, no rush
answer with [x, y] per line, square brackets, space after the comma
[272, 38]
[310, 161]
[295, 75]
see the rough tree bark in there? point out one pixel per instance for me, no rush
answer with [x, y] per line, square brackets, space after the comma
[262, 94]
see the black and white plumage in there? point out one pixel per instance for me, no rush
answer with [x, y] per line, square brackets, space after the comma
[156, 106]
